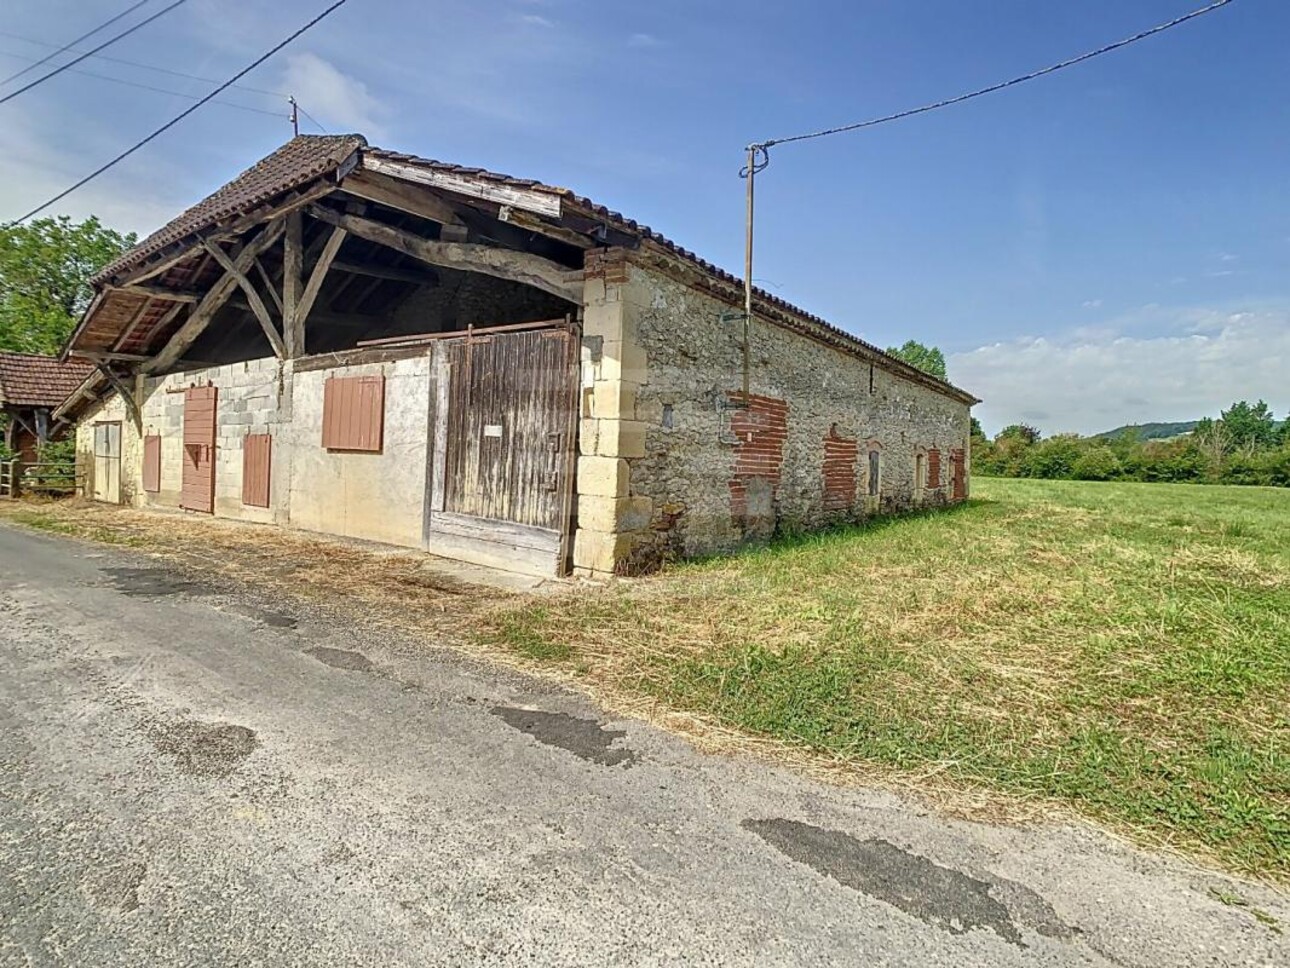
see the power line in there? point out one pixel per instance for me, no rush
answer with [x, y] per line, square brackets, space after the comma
[763, 145]
[158, 90]
[107, 43]
[183, 114]
[70, 44]
[310, 117]
[146, 67]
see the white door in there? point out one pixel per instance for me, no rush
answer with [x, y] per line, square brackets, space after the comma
[107, 462]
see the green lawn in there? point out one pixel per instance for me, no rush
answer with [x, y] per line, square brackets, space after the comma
[1121, 648]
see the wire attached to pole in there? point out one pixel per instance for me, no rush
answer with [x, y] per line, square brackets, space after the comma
[1052, 69]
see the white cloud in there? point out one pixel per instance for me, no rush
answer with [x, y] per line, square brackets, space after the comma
[643, 40]
[536, 20]
[339, 101]
[1089, 381]
[137, 195]
[1092, 304]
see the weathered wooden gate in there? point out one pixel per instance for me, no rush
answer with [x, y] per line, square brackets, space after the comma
[197, 492]
[502, 460]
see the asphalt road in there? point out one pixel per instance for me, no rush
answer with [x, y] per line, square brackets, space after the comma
[194, 777]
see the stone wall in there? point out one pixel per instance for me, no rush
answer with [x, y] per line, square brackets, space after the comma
[673, 464]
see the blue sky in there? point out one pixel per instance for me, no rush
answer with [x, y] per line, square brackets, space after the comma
[1108, 244]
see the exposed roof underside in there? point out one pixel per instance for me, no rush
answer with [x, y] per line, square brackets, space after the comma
[125, 321]
[38, 381]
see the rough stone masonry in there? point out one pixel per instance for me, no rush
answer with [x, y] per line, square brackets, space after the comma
[675, 464]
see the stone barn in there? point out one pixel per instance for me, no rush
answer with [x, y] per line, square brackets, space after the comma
[365, 343]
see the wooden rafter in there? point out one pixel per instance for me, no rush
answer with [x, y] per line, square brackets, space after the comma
[420, 277]
[522, 267]
[318, 274]
[258, 309]
[210, 304]
[400, 195]
[161, 292]
[269, 287]
[126, 394]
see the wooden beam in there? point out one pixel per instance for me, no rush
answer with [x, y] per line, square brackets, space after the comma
[269, 287]
[215, 297]
[293, 268]
[109, 357]
[543, 203]
[268, 213]
[260, 310]
[126, 394]
[526, 220]
[318, 274]
[522, 267]
[394, 273]
[161, 292]
[394, 193]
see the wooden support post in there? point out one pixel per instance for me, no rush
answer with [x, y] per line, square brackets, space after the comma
[293, 267]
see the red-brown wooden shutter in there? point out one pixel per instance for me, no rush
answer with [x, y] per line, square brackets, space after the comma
[257, 450]
[354, 413]
[198, 488]
[152, 463]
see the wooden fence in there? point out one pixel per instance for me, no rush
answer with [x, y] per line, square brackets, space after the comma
[41, 477]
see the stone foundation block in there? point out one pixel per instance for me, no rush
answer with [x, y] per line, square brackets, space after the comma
[620, 438]
[598, 552]
[614, 514]
[603, 476]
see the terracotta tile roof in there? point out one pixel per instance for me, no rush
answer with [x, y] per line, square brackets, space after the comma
[39, 381]
[632, 227]
[299, 161]
[307, 157]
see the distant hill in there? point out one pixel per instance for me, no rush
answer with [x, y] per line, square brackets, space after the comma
[1151, 431]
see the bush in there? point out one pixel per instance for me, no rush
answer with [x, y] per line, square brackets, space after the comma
[1053, 458]
[1096, 464]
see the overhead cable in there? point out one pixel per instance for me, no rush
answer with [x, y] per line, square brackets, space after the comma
[72, 43]
[90, 53]
[1160, 28]
[183, 114]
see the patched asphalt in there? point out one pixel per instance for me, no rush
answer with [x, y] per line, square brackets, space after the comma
[192, 775]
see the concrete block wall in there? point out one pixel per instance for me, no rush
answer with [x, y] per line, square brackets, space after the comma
[672, 463]
[254, 397]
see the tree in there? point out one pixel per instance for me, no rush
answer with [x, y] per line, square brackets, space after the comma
[1022, 432]
[45, 268]
[929, 359]
[1250, 427]
[976, 432]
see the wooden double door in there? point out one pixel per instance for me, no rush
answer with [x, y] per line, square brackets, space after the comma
[501, 470]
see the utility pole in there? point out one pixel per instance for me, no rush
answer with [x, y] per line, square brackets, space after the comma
[295, 115]
[757, 159]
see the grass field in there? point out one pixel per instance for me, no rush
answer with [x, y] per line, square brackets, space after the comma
[1123, 649]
